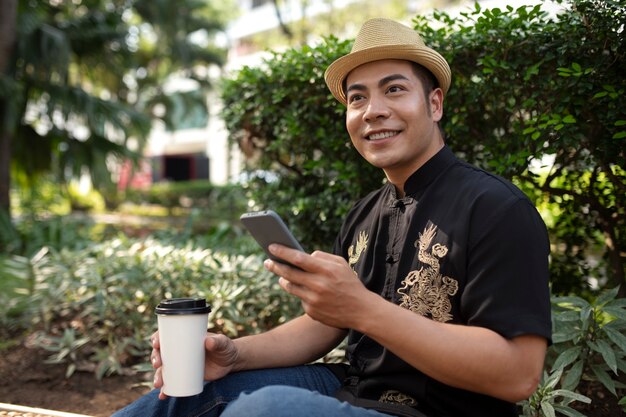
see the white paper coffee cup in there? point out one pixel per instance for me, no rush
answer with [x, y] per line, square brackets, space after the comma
[182, 329]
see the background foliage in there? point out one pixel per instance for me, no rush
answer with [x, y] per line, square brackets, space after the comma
[536, 99]
[84, 81]
[96, 315]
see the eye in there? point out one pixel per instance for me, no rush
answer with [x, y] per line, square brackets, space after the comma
[395, 89]
[354, 97]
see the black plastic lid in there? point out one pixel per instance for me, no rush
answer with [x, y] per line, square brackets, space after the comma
[183, 306]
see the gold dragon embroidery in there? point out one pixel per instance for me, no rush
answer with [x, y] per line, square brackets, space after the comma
[396, 397]
[426, 291]
[354, 253]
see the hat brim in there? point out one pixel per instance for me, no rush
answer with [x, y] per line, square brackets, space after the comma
[337, 71]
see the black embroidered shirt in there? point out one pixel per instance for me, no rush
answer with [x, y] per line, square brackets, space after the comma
[463, 246]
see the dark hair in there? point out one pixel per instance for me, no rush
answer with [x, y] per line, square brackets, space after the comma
[429, 81]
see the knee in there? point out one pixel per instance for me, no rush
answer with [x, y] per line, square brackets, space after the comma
[271, 401]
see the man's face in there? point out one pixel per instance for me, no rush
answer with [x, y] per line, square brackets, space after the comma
[391, 122]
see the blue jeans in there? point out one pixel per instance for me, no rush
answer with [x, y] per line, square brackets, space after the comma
[301, 391]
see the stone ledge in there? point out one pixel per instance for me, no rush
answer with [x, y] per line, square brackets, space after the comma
[11, 410]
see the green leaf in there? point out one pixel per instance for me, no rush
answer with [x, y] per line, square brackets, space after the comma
[619, 135]
[566, 316]
[569, 119]
[617, 312]
[618, 302]
[548, 409]
[616, 337]
[71, 368]
[567, 357]
[606, 296]
[563, 337]
[585, 314]
[608, 88]
[570, 301]
[620, 123]
[572, 378]
[572, 395]
[562, 409]
[553, 379]
[604, 378]
[608, 355]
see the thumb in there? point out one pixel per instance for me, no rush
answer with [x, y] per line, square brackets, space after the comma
[216, 342]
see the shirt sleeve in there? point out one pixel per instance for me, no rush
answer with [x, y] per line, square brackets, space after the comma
[507, 288]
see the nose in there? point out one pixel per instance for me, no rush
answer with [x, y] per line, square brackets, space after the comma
[376, 109]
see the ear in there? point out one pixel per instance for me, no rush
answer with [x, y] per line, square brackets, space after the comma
[436, 104]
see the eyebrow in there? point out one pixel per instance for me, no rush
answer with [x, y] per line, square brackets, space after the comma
[382, 82]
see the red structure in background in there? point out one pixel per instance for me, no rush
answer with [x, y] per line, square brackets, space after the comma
[132, 178]
[180, 167]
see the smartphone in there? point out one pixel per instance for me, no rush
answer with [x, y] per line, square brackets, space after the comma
[267, 227]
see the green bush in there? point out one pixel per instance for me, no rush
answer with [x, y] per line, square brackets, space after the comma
[172, 194]
[205, 203]
[588, 353]
[100, 311]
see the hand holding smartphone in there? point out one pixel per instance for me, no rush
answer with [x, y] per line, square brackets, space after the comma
[267, 227]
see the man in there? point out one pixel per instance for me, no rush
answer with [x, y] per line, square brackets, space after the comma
[439, 278]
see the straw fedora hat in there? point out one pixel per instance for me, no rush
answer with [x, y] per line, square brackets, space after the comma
[386, 39]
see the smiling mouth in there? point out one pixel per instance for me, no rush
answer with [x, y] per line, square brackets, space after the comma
[383, 135]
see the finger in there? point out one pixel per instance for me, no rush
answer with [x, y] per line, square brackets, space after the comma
[316, 262]
[162, 395]
[158, 383]
[215, 342]
[293, 289]
[293, 275]
[293, 256]
[158, 378]
[285, 285]
[155, 359]
[318, 254]
[154, 339]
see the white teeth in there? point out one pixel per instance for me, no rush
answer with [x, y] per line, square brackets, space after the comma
[382, 135]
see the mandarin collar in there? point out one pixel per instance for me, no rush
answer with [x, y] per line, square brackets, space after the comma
[419, 180]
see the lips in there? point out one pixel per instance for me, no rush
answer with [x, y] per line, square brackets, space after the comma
[383, 135]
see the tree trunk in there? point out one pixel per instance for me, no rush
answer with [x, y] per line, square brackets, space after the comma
[283, 26]
[5, 164]
[8, 13]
